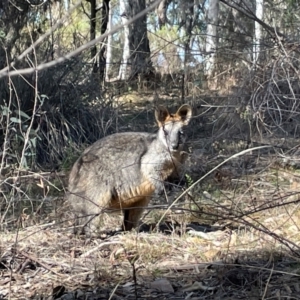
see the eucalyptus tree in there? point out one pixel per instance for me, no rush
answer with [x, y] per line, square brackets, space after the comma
[136, 51]
[211, 43]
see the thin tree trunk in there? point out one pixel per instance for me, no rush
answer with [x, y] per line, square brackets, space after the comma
[258, 31]
[105, 11]
[125, 15]
[212, 38]
[93, 33]
[162, 13]
[189, 22]
[136, 51]
[109, 46]
[139, 41]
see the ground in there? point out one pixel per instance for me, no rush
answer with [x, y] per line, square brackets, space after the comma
[234, 234]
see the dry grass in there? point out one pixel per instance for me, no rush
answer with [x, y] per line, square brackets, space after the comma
[41, 259]
[250, 248]
[235, 235]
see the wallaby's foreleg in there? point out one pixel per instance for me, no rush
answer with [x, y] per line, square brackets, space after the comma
[132, 214]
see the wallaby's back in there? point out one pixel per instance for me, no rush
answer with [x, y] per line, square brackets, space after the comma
[123, 170]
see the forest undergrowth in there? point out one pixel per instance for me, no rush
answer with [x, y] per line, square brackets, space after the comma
[234, 233]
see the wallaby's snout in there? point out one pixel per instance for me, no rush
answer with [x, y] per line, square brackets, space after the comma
[122, 171]
[175, 146]
[174, 138]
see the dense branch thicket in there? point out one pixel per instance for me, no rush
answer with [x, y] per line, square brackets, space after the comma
[47, 114]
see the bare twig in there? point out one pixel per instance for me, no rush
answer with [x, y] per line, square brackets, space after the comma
[36, 260]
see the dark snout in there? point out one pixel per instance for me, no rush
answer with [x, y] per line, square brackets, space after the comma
[175, 146]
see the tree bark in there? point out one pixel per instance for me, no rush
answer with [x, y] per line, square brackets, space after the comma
[189, 17]
[14, 17]
[258, 30]
[109, 46]
[162, 13]
[126, 14]
[136, 51]
[139, 41]
[105, 11]
[212, 37]
[93, 25]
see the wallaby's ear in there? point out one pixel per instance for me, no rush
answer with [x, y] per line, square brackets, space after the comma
[184, 113]
[161, 115]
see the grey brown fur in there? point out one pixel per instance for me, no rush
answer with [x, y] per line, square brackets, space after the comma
[122, 171]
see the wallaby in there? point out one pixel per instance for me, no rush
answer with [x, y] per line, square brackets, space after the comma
[123, 170]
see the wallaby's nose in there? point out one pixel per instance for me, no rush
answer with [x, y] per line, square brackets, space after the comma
[175, 146]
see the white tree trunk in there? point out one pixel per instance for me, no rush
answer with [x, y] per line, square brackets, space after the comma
[258, 30]
[109, 45]
[125, 14]
[211, 38]
[136, 51]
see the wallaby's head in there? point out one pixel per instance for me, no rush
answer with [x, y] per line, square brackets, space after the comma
[171, 125]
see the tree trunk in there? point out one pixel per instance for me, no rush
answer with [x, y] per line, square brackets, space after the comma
[211, 38]
[109, 46]
[126, 14]
[139, 41]
[13, 19]
[258, 31]
[105, 12]
[93, 33]
[162, 13]
[189, 15]
[136, 51]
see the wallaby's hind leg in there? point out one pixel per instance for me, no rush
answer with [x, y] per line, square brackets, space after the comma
[132, 214]
[88, 213]
[92, 225]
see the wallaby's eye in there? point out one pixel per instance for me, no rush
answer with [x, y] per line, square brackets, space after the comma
[180, 136]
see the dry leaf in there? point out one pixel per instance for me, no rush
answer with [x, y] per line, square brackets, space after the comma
[162, 285]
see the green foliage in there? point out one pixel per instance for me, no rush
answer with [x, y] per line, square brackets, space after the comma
[289, 12]
[2, 34]
[78, 26]
[69, 158]
[189, 180]
[164, 43]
